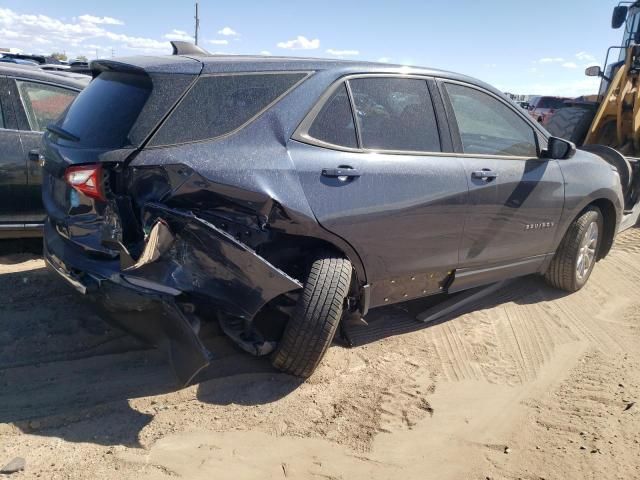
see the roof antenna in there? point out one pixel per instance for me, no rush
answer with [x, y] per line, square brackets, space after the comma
[197, 17]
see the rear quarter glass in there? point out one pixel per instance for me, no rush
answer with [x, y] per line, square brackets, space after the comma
[219, 104]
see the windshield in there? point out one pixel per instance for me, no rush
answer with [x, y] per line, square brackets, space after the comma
[630, 30]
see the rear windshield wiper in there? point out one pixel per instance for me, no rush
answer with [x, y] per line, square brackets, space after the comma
[61, 132]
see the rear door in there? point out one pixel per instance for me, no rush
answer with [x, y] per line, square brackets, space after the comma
[516, 197]
[13, 171]
[37, 104]
[385, 187]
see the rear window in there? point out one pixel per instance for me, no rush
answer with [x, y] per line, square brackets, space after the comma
[119, 110]
[219, 104]
[395, 114]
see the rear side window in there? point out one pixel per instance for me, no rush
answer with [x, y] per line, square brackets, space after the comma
[334, 123]
[219, 104]
[103, 114]
[395, 114]
[487, 126]
[43, 103]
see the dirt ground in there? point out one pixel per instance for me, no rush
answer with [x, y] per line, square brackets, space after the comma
[526, 384]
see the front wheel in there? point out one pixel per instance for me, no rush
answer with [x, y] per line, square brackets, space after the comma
[316, 316]
[577, 254]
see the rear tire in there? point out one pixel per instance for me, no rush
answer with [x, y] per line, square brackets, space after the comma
[314, 322]
[576, 256]
[571, 123]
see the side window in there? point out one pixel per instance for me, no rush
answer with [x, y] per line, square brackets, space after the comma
[43, 103]
[489, 127]
[219, 104]
[334, 123]
[395, 114]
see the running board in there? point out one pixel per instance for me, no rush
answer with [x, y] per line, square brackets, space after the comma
[457, 302]
[630, 219]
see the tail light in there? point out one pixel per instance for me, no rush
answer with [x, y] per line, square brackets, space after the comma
[86, 179]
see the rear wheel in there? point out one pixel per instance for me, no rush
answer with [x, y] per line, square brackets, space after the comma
[571, 123]
[576, 256]
[316, 316]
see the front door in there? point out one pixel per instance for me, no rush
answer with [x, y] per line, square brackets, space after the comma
[516, 198]
[385, 187]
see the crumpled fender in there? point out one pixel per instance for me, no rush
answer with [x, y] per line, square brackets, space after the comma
[189, 254]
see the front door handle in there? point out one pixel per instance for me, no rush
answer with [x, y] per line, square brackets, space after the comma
[484, 174]
[342, 173]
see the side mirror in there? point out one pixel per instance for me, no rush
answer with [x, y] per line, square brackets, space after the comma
[619, 16]
[594, 71]
[559, 149]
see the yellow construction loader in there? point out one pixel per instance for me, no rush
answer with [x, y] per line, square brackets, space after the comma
[610, 127]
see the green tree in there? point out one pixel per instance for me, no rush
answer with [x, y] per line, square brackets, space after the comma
[81, 58]
[59, 56]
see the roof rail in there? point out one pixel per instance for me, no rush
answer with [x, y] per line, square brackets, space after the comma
[187, 48]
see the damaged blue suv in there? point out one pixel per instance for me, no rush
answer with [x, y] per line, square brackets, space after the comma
[277, 195]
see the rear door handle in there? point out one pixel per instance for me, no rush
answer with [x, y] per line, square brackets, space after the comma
[34, 155]
[340, 172]
[484, 174]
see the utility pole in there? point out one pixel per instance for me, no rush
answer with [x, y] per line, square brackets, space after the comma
[197, 22]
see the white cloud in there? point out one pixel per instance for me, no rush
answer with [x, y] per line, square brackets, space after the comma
[178, 35]
[384, 60]
[36, 33]
[569, 65]
[265, 52]
[585, 57]
[219, 42]
[300, 43]
[228, 32]
[100, 20]
[342, 53]
[551, 60]
[490, 65]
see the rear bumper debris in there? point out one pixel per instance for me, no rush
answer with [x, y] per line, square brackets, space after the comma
[185, 260]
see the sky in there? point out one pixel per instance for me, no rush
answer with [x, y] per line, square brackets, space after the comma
[540, 47]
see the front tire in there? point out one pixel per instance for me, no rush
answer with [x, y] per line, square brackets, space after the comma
[576, 256]
[315, 319]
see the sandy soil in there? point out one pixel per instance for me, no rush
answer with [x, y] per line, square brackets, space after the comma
[529, 383]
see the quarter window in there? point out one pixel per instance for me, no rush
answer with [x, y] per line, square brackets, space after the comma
[395, 114]
[487, 126]
[43, 103]
[219, 104]
[334, 123]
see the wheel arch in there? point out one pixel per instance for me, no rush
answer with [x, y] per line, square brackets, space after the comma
[609, 220]
[286, 250]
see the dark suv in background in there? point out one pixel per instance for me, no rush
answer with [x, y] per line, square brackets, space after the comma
[30, 99]
[276, 195]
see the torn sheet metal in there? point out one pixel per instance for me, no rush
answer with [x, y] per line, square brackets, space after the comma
[194, 256]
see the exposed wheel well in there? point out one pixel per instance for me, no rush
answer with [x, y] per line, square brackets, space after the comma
[608, 211]
[292, 252]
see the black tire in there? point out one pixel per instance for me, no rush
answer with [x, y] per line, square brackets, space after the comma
[563, 271]
[571, 123]
[315, 319]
